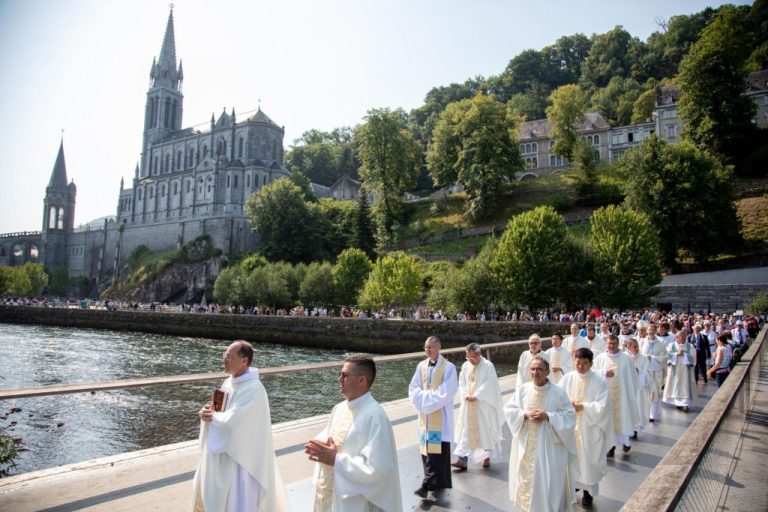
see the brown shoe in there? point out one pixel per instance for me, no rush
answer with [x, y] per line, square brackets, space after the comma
[487, 462]
[625, 448]
[611, 452]
[459, 465]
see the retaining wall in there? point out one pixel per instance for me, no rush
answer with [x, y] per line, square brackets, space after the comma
[367, 335]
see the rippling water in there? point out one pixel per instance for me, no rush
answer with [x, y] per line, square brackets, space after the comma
[112, 422]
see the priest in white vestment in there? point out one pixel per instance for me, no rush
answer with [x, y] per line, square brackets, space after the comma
[543, 463]
[560, 359]
[654, 349]
[574, 341]
[481, 413]
[595, 343]
[431, 391]
[680, 390]
[524, 362]
[594, 424]
[643, 394]
[356, 455]
[623, 382]
[237, 469]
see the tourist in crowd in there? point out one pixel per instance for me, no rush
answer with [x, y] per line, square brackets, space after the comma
[237, 469]
[679, 389]
[700, 344]
[721, 365]
[594, 425]
[560, 359]
[356, 455]
[543, 461]
[481, 416]
[431, 391]
[524, 361]
[619, 372]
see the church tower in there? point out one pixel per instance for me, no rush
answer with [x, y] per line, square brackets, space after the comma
[58, 214]
[162, 114]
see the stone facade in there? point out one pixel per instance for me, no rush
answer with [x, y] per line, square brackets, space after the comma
[717, 298]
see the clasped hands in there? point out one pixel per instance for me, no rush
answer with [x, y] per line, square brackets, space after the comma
[536, 415]
[319, 451]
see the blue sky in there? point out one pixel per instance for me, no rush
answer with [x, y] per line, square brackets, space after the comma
[83, 66]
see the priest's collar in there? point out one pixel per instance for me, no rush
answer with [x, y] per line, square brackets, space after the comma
[250, 374]
[435, 362]
[355, 404]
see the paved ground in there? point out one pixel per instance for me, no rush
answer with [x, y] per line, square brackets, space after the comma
[160, 478]
[739, 276]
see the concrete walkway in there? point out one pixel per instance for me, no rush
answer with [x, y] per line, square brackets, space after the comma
[160, 478]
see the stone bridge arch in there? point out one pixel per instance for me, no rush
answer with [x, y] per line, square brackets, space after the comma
[17, 249]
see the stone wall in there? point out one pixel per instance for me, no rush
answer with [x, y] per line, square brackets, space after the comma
[718, 298]
[355, 335]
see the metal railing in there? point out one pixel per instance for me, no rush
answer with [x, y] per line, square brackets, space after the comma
[693, 474]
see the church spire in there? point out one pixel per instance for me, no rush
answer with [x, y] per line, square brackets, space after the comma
[59, 174]
[164, 71]
[168, 51]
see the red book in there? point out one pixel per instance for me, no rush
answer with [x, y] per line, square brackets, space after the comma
[220, 398]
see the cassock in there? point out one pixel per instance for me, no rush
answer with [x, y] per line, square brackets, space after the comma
[679, 389]
[543, 463]
[622, 390]
[524, 365]
[431, 391]
[594, 426]
[644, 384]
[365, 476]
[237, 468]
[558, 357]
[655, 352]
[479, 423]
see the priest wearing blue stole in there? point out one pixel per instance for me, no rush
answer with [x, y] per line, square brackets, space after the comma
[432, 389]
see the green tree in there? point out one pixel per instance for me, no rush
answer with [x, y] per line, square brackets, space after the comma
[337, 221]
[268, 289]
[364, 239]
[530, 261]
[283, 221]
[59, 282]
[580, 287]
[38, 279]
[718, 116]
[474, 144]
[317, 288]
[390, 160]
[616, 100]
[231, 287]
[759, 305]
[349, 274]
[301, 181]
[395, 280]
[644, 106]
[687, 195]
[612, 54]
[15, 281]
[566, 114]
[626, 257]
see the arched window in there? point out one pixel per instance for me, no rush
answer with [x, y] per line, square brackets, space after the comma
[535, 163]
[167, 113]
[140, 194]
[234, 184]
[597, 140]
[176, 188]
[173, 114]
[162, 191]
[527, 148]
[167, 163]
[589, 139]
[151, 192]
[60, 219]
[248, 178]
[157, 164]
[178, 160]
[240, 143]
[52, 218]
[535, 147]
[227, 181]
[205, 151]
[597, 155]
[191, 160]
[522, 148]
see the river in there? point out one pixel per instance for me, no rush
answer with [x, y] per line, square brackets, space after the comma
[64, 429]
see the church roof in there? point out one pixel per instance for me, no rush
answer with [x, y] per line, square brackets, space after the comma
[261, 117]
[59, 174]
[541, 128]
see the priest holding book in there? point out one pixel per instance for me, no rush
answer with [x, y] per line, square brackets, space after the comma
[237, 468]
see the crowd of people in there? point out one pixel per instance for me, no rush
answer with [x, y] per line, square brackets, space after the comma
[574, 404]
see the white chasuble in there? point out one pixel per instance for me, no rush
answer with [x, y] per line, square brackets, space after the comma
[680, 389]
[644, 388]
[427, 401]
[655, 352]
[543, 460]
[237, 470]
[559, 357]
[622, 389]
[479, 423]
[365, 476]
[594, 425]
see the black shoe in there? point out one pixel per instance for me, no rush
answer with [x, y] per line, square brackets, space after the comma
[422, 492]
[625, 448]
[611, 452]
[650, 419]
[633, 436]
[587, 499]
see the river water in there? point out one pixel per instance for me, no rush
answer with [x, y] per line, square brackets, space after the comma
[64, 429]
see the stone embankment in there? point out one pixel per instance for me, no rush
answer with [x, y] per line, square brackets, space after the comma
[351, 334]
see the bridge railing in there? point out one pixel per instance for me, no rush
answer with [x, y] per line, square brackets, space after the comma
[693, 473]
